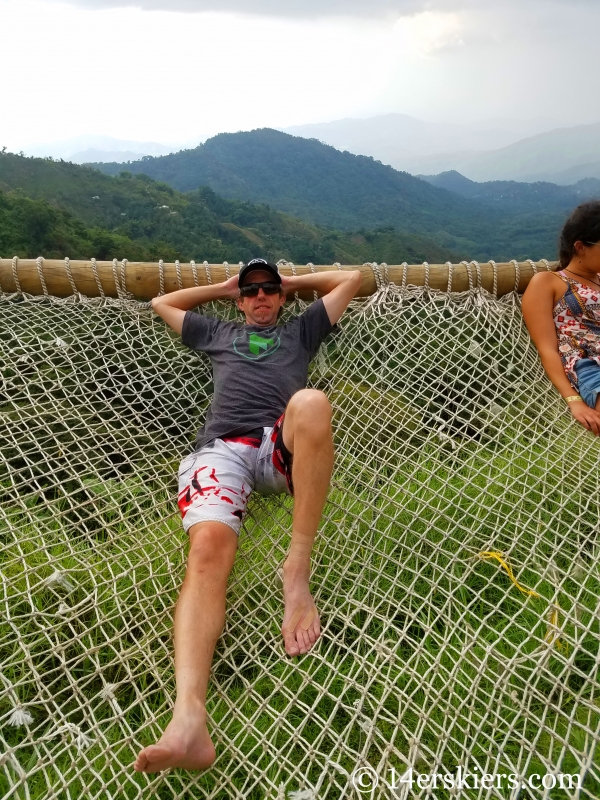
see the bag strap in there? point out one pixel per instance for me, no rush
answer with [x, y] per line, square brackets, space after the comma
[578, 308]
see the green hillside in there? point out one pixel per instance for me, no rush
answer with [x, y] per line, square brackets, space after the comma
[308, 179]
[331, 188]
[58, 209]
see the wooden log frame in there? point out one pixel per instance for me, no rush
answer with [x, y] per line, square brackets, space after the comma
[143, 280]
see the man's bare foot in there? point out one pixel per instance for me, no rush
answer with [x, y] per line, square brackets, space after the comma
[301, 625]
[185, 743]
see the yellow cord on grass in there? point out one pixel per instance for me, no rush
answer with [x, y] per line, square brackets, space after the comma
[509, 572]
[551, 636]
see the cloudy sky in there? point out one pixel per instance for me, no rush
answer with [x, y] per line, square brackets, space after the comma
[176, 70]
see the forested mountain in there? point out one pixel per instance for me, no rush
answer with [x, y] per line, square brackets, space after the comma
[57, 209]
[308, 179]
[331, 188]
[351, 208]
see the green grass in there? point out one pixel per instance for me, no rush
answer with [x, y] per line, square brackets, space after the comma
[424, 641]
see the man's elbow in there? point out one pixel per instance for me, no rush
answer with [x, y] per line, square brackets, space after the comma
[156, 302]
[160, 307]
[356, 279]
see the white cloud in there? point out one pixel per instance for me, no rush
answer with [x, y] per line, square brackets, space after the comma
[273, 8]
[174, 77]
[430, 33]
[171, 77]
[321, 8]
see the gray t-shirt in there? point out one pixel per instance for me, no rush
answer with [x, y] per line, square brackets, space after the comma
[256, 370]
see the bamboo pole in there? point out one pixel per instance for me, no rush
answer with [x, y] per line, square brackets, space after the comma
[142, 279]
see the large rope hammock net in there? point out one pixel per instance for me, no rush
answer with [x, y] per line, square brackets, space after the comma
[456, 569]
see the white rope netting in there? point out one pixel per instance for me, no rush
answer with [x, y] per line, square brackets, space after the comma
[456, 569]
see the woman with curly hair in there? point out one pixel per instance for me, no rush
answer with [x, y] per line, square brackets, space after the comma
[562, 312]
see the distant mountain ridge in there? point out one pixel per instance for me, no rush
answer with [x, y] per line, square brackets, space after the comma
[91, 147]
[526, 151]
[576, 173]
[562, 156]
[92, 154]
[515, 196]
[401, 140]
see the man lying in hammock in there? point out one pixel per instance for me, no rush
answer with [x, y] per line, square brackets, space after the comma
[266, 432]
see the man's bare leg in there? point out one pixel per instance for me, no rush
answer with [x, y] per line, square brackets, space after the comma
[307, 435]
[199, 620]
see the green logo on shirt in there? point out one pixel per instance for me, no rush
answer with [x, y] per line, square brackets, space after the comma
[253, 346]
[256, 344]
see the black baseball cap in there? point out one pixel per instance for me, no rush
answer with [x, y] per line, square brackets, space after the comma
[258, 263]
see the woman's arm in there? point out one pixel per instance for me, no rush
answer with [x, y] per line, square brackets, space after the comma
[338, 288]
[172, 307]
[538, 304]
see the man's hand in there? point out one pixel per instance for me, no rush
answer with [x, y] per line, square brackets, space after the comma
[586, 416]
[231, 288]
[286, 282]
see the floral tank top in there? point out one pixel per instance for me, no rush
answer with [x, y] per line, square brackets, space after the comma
[577, 321]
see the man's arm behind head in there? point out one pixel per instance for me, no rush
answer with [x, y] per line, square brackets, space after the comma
[172, 307]
[337, 288]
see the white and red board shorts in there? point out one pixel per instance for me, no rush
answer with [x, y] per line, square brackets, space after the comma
[215, 482]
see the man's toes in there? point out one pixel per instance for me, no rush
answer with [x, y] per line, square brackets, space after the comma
[299, 640]
[141, 762]
[303, 640]
[291, 646]
[317, 627]
[157, 758]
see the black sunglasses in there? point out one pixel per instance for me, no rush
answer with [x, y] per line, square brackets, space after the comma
[251, 289]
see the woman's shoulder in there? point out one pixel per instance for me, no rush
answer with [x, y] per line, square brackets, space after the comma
[545, 290]
[547, 278]
[547, 283]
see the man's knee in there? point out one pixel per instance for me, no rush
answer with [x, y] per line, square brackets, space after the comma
[310, 406]
[212, 547]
